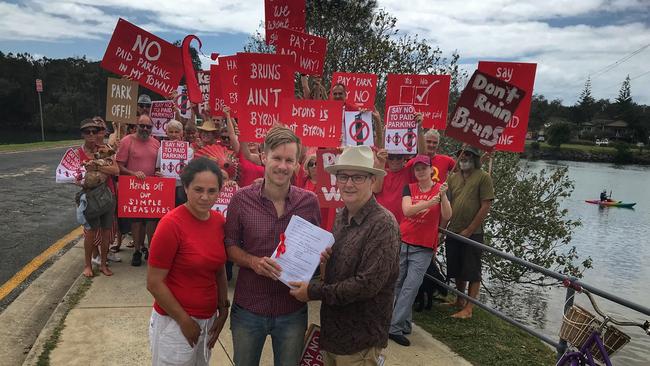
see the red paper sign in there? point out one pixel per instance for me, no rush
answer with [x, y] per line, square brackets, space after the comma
[224, 90]
[151, 61]
[283, 14]
[311, 355]
[428, 94]
[307, 51]
[316, 122]
[203, 78]
[521, 75]
[264, 81]
[484, 109]
[361, 89]
[149, 198]
[326, 189]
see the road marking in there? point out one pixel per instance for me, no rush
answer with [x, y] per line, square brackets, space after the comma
[32, 266]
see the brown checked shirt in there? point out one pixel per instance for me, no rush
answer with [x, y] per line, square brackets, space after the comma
[357, 295]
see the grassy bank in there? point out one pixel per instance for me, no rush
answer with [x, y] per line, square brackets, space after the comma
[484, 339]
[38, 145]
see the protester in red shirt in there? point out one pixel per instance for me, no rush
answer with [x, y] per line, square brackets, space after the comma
[186, 274]
[248, 171]
[428, 142]
[388, 189]
[425, 206]
[308, 181]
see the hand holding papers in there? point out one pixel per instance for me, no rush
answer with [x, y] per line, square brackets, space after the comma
[300, 251]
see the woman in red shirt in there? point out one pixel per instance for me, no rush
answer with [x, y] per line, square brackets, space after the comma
[186, 274]
[425, 206]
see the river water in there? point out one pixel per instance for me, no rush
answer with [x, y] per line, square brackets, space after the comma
[618, 241]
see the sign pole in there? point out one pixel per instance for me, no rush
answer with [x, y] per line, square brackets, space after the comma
[40, 107]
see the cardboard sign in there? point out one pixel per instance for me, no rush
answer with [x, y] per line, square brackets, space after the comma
[174, 155]
[161, 112]
[326, 189]
[183, 102]
[224, 90]
[70, 169]
[401, 130]
[264, 81]
[316, 122]
[151, 61]
[121, 100]
[358, 129]
[307, 51]
[521, 75]
[361, 89]
[311, 355]
[221, 205]
[484, 109]
[428, 94]
[203, 77]
[283, 14]
[149, 198]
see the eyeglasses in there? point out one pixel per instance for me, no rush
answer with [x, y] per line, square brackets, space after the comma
[90, 132]
[145, 126]
[311, 164]
[356, 179]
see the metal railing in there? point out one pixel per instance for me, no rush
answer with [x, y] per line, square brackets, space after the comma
[561, 345]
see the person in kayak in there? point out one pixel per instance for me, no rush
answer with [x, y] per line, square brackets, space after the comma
[603, 196]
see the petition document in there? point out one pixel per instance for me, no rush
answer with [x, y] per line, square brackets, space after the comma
[300, 254]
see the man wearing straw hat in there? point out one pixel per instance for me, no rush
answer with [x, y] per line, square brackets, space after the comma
[359, 282]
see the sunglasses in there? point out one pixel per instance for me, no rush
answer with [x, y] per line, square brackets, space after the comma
[311, 164]
[90, 131]
[148, 127]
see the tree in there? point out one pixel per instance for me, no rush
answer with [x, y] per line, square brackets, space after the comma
[558, 134]
[625, 94]
[586, 104]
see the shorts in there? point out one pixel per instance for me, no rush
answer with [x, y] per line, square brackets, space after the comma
[141, 220]
[105, 221]
[169, 347]
[464, 260]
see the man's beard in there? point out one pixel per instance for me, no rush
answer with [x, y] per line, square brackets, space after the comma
[143, 134]
[466, 165]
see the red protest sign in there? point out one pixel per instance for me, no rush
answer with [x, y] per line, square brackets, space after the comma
[151, 61]
[149, 198]
[401, 130]
[361, 89]
[311, 355]
[224, 90]
[283, 14]
[221, 205]
[307, 51]
[428, 94]
[484, 109]
[39, 85]
[316, 122]
[521, 75]
[326, 189]
[264, 80]
[70, 169]
[203, 78]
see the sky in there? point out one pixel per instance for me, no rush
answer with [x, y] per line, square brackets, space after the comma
[569, 40]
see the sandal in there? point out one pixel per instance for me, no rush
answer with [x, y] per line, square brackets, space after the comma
[130, 244]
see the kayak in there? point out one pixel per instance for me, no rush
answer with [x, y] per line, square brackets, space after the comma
[612, 203]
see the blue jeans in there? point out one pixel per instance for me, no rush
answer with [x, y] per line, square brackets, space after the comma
[249, 333]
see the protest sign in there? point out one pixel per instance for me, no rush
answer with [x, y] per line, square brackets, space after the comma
[521, 75]
[121, 100]
[358, 129]
[307, 52]
[316, 122]
[183, 102]
[151, 61]
[221, 205]
[161, 112]
[428, 94]
[401, 130]
[264, 81]
[174, 155]
[326, 189]
[203, 78]
[484, 109]
[70, 169]
[360, 89]
[149, 198]
[224, 90]
[283, 14]
[311, 355]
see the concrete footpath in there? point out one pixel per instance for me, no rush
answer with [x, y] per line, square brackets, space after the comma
[109, 326]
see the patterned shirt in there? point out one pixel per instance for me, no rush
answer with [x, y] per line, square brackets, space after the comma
[357, 295]
[253, 225]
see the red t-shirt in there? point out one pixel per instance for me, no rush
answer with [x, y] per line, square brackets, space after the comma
[421, 229]
[248, 171]
[391, 192]
[139, 155]
[327, 214]
[441, 166]
[84, 158]
[193, 251]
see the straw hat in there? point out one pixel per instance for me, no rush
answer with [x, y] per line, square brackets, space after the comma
[208, 126]
[356, 158]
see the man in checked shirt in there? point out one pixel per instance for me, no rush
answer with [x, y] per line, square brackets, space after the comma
[257, 215]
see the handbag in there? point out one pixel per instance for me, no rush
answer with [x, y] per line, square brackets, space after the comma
[100, 201]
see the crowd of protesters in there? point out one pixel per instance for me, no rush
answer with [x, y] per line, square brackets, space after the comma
[386, 236]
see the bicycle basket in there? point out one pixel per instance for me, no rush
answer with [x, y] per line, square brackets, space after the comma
[577, 326]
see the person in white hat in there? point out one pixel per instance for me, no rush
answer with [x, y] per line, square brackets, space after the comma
[359, 278]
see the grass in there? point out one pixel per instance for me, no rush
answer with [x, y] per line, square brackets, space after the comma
[72, 301]
[38, 145]
[484, 339]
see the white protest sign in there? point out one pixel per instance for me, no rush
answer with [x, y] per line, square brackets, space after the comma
[174, 155]
[161, 112]
[221, 205]
[358, 129]
[70, 169]
[183, 102]
[401, 130]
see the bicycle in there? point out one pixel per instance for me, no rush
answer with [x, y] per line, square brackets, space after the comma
[594, 340]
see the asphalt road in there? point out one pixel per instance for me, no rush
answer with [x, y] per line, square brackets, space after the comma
[35, 211]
